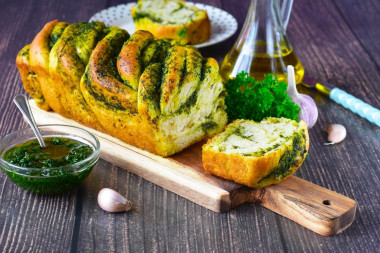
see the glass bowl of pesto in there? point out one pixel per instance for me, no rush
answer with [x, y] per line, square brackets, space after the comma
[69, 157]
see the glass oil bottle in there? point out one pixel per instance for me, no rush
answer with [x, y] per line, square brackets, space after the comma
[262, 46]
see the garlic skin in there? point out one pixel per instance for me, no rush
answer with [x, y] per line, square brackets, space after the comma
[112, 201]
[309, 110]
[336, 133]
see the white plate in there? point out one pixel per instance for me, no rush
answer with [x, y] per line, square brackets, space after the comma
[223, 24]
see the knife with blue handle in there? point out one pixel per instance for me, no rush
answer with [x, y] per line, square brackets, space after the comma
[350, 102]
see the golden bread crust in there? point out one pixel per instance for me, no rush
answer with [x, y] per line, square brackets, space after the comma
[147, 108]
[128, 62]
[172, 78]
[70, 56]
[99, 69]
[39, 61]
[34, 65]
[29, 79]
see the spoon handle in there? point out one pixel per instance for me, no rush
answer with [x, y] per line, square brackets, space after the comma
[23, 105]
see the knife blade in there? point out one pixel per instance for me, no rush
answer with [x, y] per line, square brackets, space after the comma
[345, 99]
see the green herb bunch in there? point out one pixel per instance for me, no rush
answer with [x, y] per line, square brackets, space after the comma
[256, 100]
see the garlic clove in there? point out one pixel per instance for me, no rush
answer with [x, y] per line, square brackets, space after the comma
[336, 133]
[112, 201]
[309, 110]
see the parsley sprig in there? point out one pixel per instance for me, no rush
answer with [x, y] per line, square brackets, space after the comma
[256, 100]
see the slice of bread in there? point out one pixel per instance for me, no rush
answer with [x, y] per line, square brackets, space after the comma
[173, 20]
[257, 154]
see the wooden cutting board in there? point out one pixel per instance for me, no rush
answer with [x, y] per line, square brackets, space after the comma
[316, 208]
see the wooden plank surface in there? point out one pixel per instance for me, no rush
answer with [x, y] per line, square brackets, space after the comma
[316, 208]
[336, 40]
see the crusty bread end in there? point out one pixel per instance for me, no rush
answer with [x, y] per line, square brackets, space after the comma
[257, 154]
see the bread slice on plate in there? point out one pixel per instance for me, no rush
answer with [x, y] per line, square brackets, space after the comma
[174, 20]
[257, 154]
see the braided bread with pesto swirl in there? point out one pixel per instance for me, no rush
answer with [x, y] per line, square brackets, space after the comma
[142, 90]
[33, 65]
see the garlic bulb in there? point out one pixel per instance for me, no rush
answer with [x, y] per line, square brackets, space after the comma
[112, 201]
[309, 110]
[336, 133]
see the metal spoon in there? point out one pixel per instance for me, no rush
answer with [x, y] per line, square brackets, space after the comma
[23, 105]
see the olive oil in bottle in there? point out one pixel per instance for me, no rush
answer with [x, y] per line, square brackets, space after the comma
[258, 64]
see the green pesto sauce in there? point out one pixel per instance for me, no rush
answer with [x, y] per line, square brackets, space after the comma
[288, 159]
[141, 15]
[204, 70]
[25, 51]
[56, 33]
[59, 152]
[182, 33]
[208, 126]
[116, 106]
[152, 93]
[190, 102]
[160, 52]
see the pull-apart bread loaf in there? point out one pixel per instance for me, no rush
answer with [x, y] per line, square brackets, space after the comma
[142, 90]
[172, 19]
[257, 154]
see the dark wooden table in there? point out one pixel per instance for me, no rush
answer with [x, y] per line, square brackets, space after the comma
[336, 40]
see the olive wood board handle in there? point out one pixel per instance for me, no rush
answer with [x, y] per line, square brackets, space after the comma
[316, 208]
